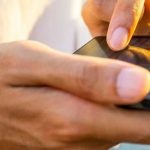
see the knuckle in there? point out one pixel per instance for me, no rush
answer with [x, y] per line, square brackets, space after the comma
[88, 79]
[99, 6]
[100, 3]
[14, 55]
[63, 128]
[102, 10]
[9, 55]
[11, 59]
[70, 132]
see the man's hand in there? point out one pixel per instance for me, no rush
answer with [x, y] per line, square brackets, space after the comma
[124, 17]
[50, 100]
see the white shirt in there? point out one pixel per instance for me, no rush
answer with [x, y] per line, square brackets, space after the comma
[61, 26]
[56, 23]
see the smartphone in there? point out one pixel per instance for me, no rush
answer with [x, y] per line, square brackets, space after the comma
[137, 52]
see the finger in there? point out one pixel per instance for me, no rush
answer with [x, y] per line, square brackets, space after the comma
[147, 4]
[124, 22]
[57, 118]
[121, 126]
[101, 80]
[98, 10]
[43, 117]
[144, 25]
[96, 15]
[47, 118]
[96, 27]
[93, 19]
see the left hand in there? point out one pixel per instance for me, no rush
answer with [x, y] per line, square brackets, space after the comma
[119, 19]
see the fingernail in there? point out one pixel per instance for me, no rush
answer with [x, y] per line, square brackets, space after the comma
[133, 83]
[119, 39]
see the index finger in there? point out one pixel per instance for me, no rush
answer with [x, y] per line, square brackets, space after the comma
[123, 23]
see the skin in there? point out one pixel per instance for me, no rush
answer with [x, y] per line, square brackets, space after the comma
[54, 101]
[105, 17]
[71, 108]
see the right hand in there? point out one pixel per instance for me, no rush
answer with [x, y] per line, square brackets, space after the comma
[50, 100]
[118, 19]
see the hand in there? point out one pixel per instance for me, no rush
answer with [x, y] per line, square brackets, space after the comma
[124, 16]
[50, 100]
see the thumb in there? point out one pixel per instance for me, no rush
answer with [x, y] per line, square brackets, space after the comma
[123, 23]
